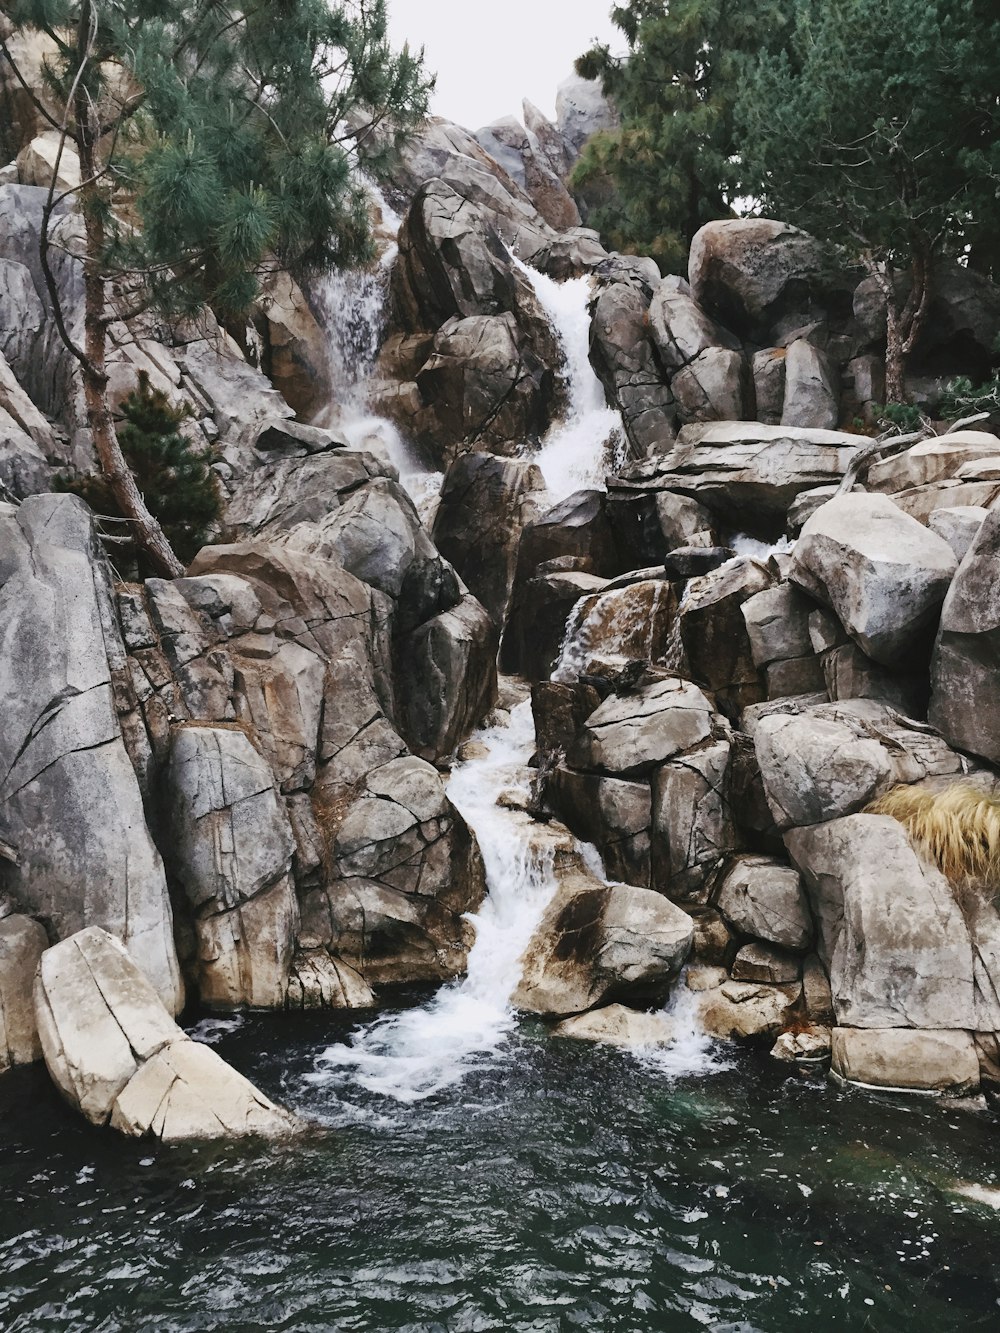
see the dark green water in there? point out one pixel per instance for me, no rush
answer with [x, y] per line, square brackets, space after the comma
[562, 1187]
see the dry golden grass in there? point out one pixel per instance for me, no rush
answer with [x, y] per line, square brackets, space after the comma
[958, 828]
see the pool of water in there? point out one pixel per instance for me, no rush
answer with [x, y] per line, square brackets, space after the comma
[558, 1187]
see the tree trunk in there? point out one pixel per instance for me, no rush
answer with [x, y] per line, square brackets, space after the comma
[895, 356]
[146, 531]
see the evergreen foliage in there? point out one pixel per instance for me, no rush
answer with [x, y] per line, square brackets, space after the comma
[878, 129]
[228, 132]
[174, 476]
[673, 165]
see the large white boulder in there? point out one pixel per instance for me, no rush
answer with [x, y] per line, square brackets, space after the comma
[920, 1061]
[882, 572]
[889, 930]
[118, 1057]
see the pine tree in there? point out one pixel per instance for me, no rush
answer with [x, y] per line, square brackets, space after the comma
[213, 143]
[174, 476]
[673, 164]
[879, 131]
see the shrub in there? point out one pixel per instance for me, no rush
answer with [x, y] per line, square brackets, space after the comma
[957, 828]
[964, 399]
[175, 477]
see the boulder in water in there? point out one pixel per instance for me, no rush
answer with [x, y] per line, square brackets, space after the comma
[599, 941]
[617, 1025]
[939, 1061]
[118, 1057]
[22, 943]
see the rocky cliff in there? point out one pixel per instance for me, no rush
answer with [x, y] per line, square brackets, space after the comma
[242, 774]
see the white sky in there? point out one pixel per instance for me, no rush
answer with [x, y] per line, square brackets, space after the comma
[489, 56]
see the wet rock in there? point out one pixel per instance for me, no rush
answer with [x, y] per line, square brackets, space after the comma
[116, 1055]
[764, 898]
[484, 386]
[617, 628]
[623, 355]
[576, 528]
[816, 993]
[693, 562]
[447, 679]
[941, 1061]
[741, 1009]
[613, 814]
[889, 931]
[537, 625]
[318, 981]
[617, 1025]
[22, 943]
[70, 802]
[486, 502]
[631, 735]
[805, 1047]
[597, 942]
[882, 572]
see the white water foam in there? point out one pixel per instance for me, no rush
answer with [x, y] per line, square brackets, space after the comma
[413, 1054]
[691, 1051]
[578, 452]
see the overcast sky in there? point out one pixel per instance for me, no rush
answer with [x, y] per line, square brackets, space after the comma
[488, 57]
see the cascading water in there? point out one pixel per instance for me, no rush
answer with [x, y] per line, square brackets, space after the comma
[411, 1055]
[354, 309]
[579, 451]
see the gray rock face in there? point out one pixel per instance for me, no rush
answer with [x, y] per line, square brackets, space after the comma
[959, 527]
[70, 803]
[884, 574]
[486, 503]
[693, 827]
[635, 733]
[447, 678]
[812, 391]
[714, 387]
[485, 386]
[596, 943]
[116, 1055]
[715, 637]
[22, 943]
[933, 460]
[745, 1009]
[746, 473]
[964, 703]
[583, 110]
[764, 898]
[680, 328]
[541, 609]
[613, 814]
[623, 355]
[749, 274]
[231, 848]
[889, 931]
[831, 760]
[523, 156]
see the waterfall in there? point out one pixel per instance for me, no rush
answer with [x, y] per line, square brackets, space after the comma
[415, 1053]
[353, 305]
[614, 626]
[578, 452]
